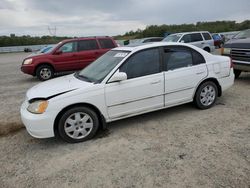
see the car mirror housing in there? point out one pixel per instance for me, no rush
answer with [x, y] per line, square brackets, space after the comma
[58, 52]
[118, 77]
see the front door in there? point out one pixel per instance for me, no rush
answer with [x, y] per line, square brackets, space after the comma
[67, 60]
[142, 91]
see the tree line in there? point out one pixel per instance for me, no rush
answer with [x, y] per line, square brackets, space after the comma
[149, 31]
[160, 30]
[28, 40]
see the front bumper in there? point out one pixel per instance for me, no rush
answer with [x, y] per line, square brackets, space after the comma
[37, 125]
[241, 65]
[28, 69]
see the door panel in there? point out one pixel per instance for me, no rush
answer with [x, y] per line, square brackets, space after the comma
[135, 95]
[185, 69]
[180, 84]
[68, 59]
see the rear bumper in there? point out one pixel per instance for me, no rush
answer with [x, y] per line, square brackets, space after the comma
[28, 69]
[227, 82]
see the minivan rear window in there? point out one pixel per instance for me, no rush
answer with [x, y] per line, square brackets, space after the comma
[106, 43]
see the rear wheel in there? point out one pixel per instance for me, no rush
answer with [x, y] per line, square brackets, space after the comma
[206, 95]
[237, 73]
[78, 124]
[207, 49]
[44, 72]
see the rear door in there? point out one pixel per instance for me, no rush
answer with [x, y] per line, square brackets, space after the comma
[88, 51]
[197, 40]
[184, 70]
[67, 60]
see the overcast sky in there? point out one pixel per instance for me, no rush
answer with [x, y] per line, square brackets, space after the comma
[111, 17]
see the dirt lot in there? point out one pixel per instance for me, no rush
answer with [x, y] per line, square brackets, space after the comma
[176, 147]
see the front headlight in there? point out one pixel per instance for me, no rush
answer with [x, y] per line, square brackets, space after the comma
[38, 107]
[27, 61]
[226, 51]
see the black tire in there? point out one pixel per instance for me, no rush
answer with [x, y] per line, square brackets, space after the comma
[77, 126]
[212, 96]
[207, 49]
[44, 72]
[237, 73]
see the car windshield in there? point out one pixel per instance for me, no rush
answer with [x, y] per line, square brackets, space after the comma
[46, 49]
[243, 34]
[172, 38]
[100, 68]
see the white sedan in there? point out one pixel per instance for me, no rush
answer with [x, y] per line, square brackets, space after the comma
[125, 82]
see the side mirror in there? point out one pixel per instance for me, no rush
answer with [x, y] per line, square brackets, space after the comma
[58, 52]
[182, 41]
[118, 77]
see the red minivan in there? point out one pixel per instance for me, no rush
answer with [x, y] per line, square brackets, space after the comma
[68, 55]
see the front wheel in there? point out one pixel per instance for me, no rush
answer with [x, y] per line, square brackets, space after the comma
[206, 95]
[78, 124]
[44, 72]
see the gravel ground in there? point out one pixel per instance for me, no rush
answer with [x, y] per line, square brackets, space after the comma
[176, 147]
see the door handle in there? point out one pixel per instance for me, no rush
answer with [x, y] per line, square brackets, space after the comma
[155, 82]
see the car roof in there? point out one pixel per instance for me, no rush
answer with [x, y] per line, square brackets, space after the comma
[86, 38]
[191, 32]
[154, 44]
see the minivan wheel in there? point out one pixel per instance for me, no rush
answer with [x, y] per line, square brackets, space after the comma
[78, 124]
[237, 73]
[207, 49]
[206, 95]
[44, 72]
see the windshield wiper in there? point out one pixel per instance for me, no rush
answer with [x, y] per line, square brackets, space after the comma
[83, 77]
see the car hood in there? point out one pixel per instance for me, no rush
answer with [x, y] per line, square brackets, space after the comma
[55, 87]
[238, 43]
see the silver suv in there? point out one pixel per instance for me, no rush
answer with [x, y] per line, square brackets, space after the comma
[201, 39]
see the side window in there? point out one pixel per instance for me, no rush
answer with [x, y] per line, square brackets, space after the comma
[143, 63]
[106, 43]
[206, 36]
[68, 47]
[195, 37]
[197, 58]
[175, 58]
[84, 45]
[186, 38]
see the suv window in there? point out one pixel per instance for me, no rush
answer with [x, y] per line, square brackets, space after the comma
[186, 38]
[143, 63]
[106, 43]
[196, 37]
[175, 58]
[68, 47]
[206, 36]
[84, 45]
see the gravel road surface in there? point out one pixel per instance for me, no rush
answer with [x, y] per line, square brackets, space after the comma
[176, 147]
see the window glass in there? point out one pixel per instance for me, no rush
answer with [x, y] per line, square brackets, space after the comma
[142, 63]
[196, 37]
[106, 43]
[197, 58]
[68, 47]
[84, 45]
[206, 36]
[186, 38]
[175, 58]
